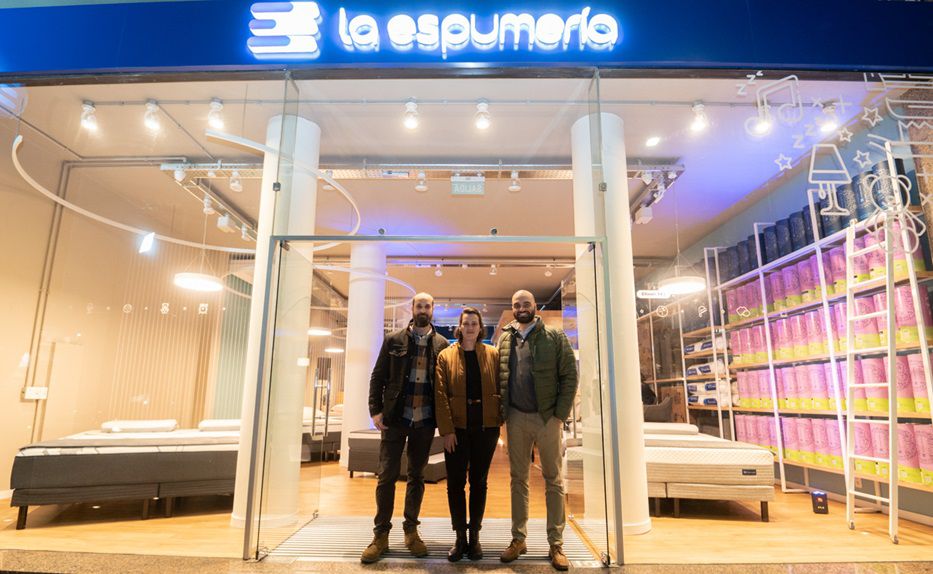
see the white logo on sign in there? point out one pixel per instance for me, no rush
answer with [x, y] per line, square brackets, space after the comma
[285, 29]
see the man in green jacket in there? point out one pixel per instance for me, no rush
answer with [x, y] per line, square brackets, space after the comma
[538, 382]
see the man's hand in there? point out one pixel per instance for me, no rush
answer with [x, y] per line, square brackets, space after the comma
[450, 442]
[377, 422]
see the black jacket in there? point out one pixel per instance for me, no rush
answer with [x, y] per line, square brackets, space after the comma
[390, 375]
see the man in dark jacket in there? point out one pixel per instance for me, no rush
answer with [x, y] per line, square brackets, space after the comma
[538, 382]
[401, 404]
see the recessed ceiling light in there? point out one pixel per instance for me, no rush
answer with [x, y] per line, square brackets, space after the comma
[333, 350]
[208, 206]
[235, 183]
[652, 141]
[151, 117]
[492, 269]
[700, 120]
[547, 271]
[89, 116]
[319, 332]
[482, 120]
[179, 174]
[438, 272]
[411, 114]
[422, 185]
[215, 117]
[516, 184]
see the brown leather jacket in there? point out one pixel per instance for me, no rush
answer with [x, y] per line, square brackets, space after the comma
[450, 392]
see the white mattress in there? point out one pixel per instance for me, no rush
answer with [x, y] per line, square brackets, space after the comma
[122, 442]
[724, 465]
[670, 428]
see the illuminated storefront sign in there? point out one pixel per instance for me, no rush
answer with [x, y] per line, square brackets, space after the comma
[295, 30]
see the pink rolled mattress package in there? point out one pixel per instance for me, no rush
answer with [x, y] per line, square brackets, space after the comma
[815, 273]
[816, 333]
[908, 457]
[772, 435]
[784, 343]
[830, 278]
[741, 434]
[923, 433]
[864, 447]
[908, 332]
[731, 305]
[759, 343]
[839, 325]
[762, 432]
[905, 390]
[804, 391]
[779, 387]
[880, 447]
[792, 294]
[805, 440]
[880, 301]
[834, 440]
[820, 442]
[776, 290]
[837, 265]
[819, 390]
[790, 387]
[918, 382]
[866, 330]
[789, 432]
[807, 281]
[860, 263]
[873, 372]
[876, 265]
[798, 331]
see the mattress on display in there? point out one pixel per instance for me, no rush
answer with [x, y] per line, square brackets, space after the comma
[670, 428]
[720, 491]
[724, 466]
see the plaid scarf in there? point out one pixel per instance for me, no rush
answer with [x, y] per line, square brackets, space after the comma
[419, 393]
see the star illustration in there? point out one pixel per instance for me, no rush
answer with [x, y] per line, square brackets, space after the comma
[845, 135]
[783, 162]
[862, 159]
[871, 116]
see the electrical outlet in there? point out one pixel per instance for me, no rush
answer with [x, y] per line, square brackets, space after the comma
[36, 393]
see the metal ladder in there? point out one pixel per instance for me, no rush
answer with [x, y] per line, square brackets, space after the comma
[852, 354]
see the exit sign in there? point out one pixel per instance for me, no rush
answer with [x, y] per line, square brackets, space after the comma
[467, 185]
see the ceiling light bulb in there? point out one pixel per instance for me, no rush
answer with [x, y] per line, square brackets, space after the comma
[411, 114]
[464, 266]
[215, 117]
[145, 246]
[151, 117]
[208, 206]
[492, 269]
[244, 233]
[515, 186]
[319, 332]
[482, 119]
[548, 272]
[327, 185]
[646, 177]
[763, 126]
[700, 120]
[421, 187]
[652, 141]
[438, 272]
[179, 174]
[235, 184]
[89, 116]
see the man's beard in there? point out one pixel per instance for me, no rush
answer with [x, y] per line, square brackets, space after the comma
[523, 317]
[422, 320]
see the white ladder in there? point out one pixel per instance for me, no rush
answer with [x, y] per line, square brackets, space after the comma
[852, 354]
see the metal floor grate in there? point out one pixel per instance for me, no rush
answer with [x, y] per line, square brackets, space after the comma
[342, 539]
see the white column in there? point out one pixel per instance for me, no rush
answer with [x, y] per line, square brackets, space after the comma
[610, 215]
[365, 333]
[280, 452]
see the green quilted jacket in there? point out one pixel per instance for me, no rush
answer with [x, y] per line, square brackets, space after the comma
[554, 369]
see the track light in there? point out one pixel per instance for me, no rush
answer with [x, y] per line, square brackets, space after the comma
[89, 116]
[438, 272]
[492, 269]
[411, 114]
[211, 173]
[646, 177]
[326, 186]
[700, 120]
[422, 186]
[215, 117]
[235, 184]
[151, 117]
[225, 223]
[547, 271]
[244, 233]
[482, 119]
[516, 185]
[652, 141]
[208, 206]
[179, 174]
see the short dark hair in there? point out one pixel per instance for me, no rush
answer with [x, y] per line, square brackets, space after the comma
[482, 327]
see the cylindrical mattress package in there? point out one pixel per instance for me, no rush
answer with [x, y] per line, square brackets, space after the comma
[817, 290]
[918, 382]
[845, 195]
[805, 440]
[805, 273]
[772, 435]
[908, 458]
[769, 244]
[745, 262]
[866, 330]
[905, 390]
[782, 340]
[831, 223]
[820, 442]
[740, 434]
[828, 273]
[808, 224]
[864, 208]
[880, 300]
[779, 387]
[798, 235]
[839, 325]
[908, 332]
[790, 387]
[873, 371]
[880, 447]
[759, 343]
[776, 289]
[763, 432]
[742, 381]
[730, 263]
[864, 447]
[837, 264]
[924, 435]
[858, 393]
[831, 387]
[792, 293]
[753, 296]
[819, 390]
[876, 262]
[860, 263]
[732, 316]
[804, 391]
[816, 334]
[835, 442]
[764, 388]
[789, 432]
[799, 333]
[782, 228]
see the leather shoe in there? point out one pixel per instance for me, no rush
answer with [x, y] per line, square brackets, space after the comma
[558, 559]
[415, 544]
[376, 549]
[516, 548]
[459, 548]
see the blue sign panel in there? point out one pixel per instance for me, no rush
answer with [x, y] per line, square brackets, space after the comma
[869, 35]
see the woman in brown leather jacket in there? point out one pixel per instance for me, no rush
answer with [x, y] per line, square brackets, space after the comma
[468, 416]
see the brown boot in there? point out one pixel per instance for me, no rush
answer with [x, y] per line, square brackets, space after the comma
[415, 544]
[516, 548]
[474, 549]
[557, 558]
[459, 548]
[376, 549]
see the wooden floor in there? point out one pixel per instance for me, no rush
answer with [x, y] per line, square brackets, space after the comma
[707, 532]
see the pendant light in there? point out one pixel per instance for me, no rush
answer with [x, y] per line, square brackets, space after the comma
[200, 281]
[683, 278]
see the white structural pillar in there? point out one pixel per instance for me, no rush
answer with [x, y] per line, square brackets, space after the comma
[597, 213]
[365, 333]
[289, 211]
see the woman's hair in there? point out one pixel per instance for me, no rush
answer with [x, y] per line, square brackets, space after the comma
[482, 327]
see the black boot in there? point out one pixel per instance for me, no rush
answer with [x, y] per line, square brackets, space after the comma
[459, 548]
[475, 549]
